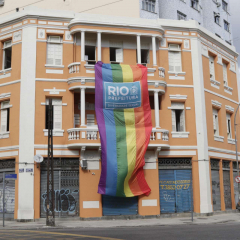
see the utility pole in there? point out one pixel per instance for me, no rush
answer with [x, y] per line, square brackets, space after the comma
[235, 125]
[50, 218]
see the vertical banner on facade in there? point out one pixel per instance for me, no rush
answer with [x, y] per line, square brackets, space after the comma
[124, 121]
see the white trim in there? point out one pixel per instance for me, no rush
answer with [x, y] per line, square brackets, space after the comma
[176, 78]
[149, 203]
[177, 73]
[180, 134]
[219, 95]
[180, 86]
[231, 141]
[222, 150]
[50, 80]
[5, 95]
[4, 135]
[183, 147]
[56, 132]
[216, 104]
[59, 152]
[5, 75]
[219, 138]
[229, 108]
[221, 155]
[54, 71]
[54, 91]
[42, 146]
[54, 31]
[177, 153]
[90, 204]
[9, 148]
[9, 154]
[54, 66]
[178, 97]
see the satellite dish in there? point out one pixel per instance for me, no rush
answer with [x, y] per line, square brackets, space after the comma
[38, 158]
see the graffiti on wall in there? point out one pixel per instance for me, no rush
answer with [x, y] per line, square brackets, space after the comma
[9, 201]
[65, 200]
[174, 185]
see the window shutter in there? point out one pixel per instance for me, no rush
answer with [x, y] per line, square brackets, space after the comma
[178, 62]
[50, 53]
[4, 120]
[58, 54]
[173, 121]
[225, 81]
[57, 113]
[90, 119]
[171, 61]
[211, 67]
[119, 55]
[182, 121]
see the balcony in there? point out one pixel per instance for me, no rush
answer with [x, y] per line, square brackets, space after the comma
[83, 136]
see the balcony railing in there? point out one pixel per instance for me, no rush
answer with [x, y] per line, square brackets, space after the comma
[159, 134]
[92, 133]
[161, 71]
[74, 67]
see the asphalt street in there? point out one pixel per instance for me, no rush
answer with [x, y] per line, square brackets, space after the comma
[188, 231]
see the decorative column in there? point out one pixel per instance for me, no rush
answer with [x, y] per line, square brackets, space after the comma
[139, 60]
[82, 46]
[82, 100]
[154, 51]
[99, 46]
[156, 108]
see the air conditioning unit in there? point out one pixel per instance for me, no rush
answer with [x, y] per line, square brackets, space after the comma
[84, 164]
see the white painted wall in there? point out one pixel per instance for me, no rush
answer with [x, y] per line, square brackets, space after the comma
[125, 8]
[27, 120]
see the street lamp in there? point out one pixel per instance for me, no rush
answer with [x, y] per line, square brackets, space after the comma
[236, 144]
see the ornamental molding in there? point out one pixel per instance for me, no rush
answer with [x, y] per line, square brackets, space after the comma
[178, 97]
[229, 108]
[5, 95]
[216, 104]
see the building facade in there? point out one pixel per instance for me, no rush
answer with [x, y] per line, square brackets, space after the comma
[193, 92]
[214, 15]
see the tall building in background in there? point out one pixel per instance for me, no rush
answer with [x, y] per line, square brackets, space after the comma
[213, 15]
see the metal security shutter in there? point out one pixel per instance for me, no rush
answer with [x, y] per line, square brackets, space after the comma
[7, 166]
[183, 190]
[66, 187]
[114, 206]
[235, 185]
[175, 190]
[227, 189]
[215, 185]
[167, 191]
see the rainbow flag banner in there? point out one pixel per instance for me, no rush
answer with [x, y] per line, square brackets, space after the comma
[124, 121]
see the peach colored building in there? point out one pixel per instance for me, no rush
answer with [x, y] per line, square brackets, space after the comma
[193, 87]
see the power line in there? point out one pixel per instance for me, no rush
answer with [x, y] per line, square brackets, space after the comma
[101, 6]
[23, 6]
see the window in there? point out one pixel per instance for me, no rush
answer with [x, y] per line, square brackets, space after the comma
[90, 119]
[224, 6]
[181, 16]
[225, 77]
[229, 129]
[226, 26]
[174, 57]
[5, 111]
[178, 117]
[54, 50]
[145, 56]
[211, 67]
[90, 51]
[217, 18]
[215, 122]
[194, 4]
[7, 54]
[149, 5]
[57, 113]
[218, 35]
[116, 55]
[229, 42]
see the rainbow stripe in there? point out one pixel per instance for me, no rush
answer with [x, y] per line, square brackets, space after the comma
[125, 133]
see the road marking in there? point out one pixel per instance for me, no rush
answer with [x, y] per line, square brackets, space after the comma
[65, 234]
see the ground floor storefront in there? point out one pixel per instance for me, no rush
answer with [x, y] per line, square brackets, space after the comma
[174, 183]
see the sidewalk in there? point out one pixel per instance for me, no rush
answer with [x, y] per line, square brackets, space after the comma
[69, 223]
